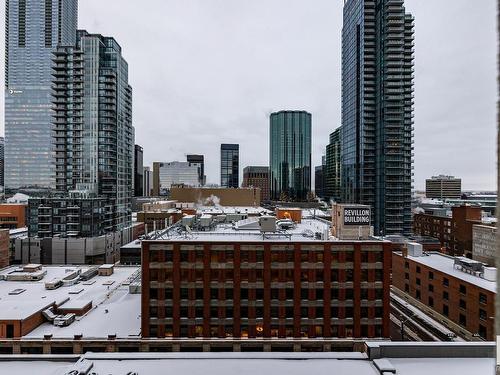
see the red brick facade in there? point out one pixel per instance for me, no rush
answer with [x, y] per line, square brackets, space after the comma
[465, 304]
[265, 289]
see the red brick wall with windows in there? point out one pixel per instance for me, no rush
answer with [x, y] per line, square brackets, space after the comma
[265, 289]
[463, 303]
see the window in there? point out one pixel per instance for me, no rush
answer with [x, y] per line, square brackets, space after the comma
[463, 289]
[462, 304]
[462, 320]
[482, 298]
[431, 275]
[407, 276]
[431, 302]
[446, 282]
[418, 281]
[418, 294]
[446, 297]
[445, 310]
[482, 314]
[407, 265]
[483, 332]
[407, 288]
[431, 288]
[418, 269]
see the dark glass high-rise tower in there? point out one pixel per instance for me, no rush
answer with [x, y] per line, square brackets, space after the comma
[290, 155]
[333, 185]
[33, 30]
[230, 165]
[377, 111]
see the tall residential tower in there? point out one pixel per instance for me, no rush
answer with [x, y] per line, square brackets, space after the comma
[290, 155]
[33, 30]
[377, 111]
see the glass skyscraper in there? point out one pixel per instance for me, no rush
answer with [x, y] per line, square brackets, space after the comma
[230, 165]
[377, 111]
[290, 155]
[333, 170]
[33, 29]
[93, 133]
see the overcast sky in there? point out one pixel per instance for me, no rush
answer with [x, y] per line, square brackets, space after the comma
[206, 72]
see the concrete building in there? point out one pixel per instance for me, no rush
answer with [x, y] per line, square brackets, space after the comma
[138, 171]
[457, 291]
[33, 30]
[484, 243]
[230, 165]
[174, 173]
[377, 111]
[199, 161]
[13, 215]
[290, 155]
[255, 283]
[249, 197]
[333, 167]
[93, 133]
[443, 187]
[257, 177]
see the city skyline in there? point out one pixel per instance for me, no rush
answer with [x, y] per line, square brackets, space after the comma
[306, 86]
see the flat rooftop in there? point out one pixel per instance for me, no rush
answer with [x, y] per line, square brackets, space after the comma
[304, 232]
[114, 311]
[254, 363]
[446, 264]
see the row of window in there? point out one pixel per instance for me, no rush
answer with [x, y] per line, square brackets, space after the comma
[482, 299]
[228, 294]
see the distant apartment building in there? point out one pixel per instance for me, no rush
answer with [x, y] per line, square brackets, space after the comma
[174, 173]
[458, 292]
[249, 197]
[229, 165]
[290, 155]
[484, 243]
[12, 216]
[138, 171]
[443, 187]
[257, 177]
[247, 282]
[199, 161]
[454, 232]
[77, 216]
[332, 174]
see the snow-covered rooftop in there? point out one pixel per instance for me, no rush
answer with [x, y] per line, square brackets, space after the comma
[250, 364]
[305, 231]
[446, 264]
[114, 310]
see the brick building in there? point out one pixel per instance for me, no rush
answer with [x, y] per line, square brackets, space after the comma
[457, 291]
[257, 177]
[4, 248]
[454, 233]
[12, 216]
[226, 282]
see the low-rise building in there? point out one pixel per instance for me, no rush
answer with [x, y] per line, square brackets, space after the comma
[249, 197]
[459, 292]
[4, 248]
